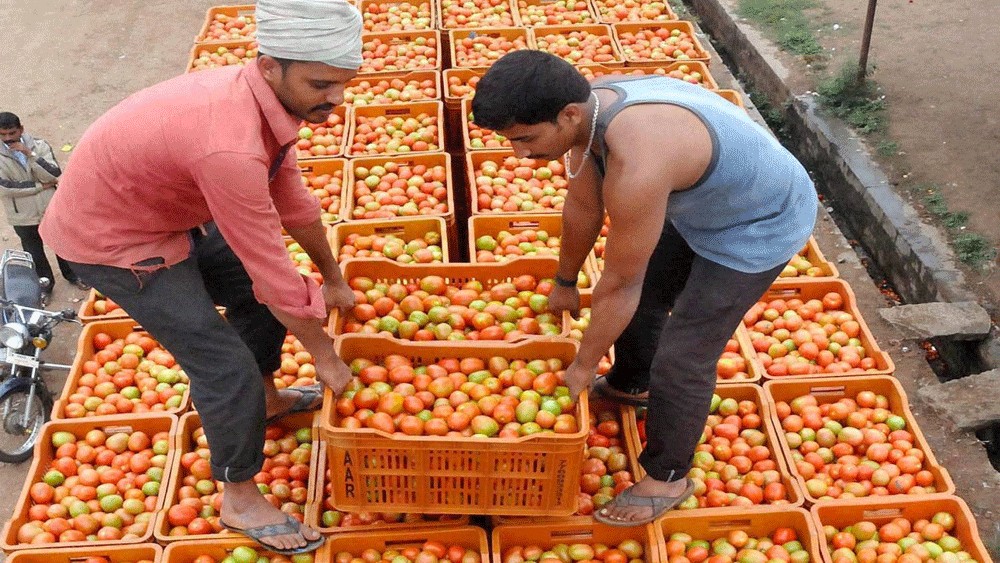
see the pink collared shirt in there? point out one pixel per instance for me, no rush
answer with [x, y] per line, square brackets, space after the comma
[174, 156]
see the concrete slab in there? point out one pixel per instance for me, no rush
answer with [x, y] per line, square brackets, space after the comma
[969, 403]
[965, 320]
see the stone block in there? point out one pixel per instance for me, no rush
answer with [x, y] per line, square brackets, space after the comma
[964, 320]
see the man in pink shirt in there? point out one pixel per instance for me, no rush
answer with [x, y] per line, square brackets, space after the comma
[174, 201]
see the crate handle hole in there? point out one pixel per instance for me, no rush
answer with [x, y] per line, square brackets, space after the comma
[831, 390]
[524, 225]
[581, 534]
[388, 230]
[740, 524]
[882, 513]
[109, 430]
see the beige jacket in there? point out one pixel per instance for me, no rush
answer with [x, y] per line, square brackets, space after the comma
[26, 191]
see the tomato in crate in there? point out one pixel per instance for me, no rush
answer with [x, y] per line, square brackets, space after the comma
[853, 437]
[194, 499]
[736, 463]
[323, 139]
[93, 482]
[507, 184]
[579, 44]
[396, 15]
[213, 55]
[472, 14]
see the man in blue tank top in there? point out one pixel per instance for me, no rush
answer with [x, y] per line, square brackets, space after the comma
[706, 208]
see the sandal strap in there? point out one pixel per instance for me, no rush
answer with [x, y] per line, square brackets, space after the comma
[288, 527]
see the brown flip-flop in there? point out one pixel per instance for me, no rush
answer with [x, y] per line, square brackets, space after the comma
[659, 506]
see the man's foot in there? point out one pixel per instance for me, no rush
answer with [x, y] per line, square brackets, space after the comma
[244, 510]
[645, 501]
[603, 388]
[294, 400]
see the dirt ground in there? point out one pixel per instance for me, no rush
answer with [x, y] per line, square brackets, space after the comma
[938, 68]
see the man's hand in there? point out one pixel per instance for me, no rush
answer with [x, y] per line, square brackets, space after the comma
[19, 147]
[338, 296]
[333, 373]
[564, 299]
[578, 378]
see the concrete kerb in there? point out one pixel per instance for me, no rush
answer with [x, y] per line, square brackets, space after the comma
[915, 257]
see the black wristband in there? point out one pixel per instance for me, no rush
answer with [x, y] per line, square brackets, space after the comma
[563, 282]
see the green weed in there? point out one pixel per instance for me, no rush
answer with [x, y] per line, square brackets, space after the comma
[857, 103]
[786, 22]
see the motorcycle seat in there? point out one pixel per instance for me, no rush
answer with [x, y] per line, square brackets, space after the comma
[21, 286]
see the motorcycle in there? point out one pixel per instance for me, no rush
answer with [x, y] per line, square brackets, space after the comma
[25, 331]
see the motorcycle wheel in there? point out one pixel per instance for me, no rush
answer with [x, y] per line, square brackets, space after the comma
[17, 441]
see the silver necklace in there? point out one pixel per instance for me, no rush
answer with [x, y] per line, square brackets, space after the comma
[586, 153]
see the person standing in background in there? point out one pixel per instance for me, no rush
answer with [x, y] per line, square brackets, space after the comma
[28, 176]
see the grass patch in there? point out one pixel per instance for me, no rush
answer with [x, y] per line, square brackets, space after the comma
[887, 148]
[786, 22]
[970, 248]
[859, 104]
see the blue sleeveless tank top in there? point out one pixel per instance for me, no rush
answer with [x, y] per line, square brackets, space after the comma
[755, 206]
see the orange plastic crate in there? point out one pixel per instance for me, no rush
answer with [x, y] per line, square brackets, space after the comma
[314, 510]
[407, 159]
[345, 116]
[85, 351]
[815, 256]
[831, 390]
[508, 33]
[430, 13]
[467, 127]
[626, 418]
[536, 475]
[756, 523]
[433, 76]
[434, 109]
[605, 14]
[551, 534]
[587, 16]
[452, 100]
[473, 161]
[396, 38]
[733, 97]
[883, 510]
[250, 46]
[684, 26]
[86, 314]
[331, 166]
[406, 228]
[389, 271]
[750, 392]
[113, 553]
[183, 444]
[653, 68]
[45, 454]
[480, 225]
[245, 10]
[186, 550]
[469, 537]
[442, 12]
[599, 30]
[805, 289]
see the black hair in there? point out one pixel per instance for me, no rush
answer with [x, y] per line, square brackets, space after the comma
[527, 87]
[9, 121]
[284, 63]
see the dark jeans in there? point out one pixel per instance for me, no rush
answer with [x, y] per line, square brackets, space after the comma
[689, 309]
[31, 242]
[225, 358]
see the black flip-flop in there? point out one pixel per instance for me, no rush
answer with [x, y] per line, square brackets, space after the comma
[305, 402]
[658, 505]
[601, 388]
[289, 526]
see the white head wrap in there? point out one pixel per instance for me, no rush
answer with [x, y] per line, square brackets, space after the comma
[326, 31]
